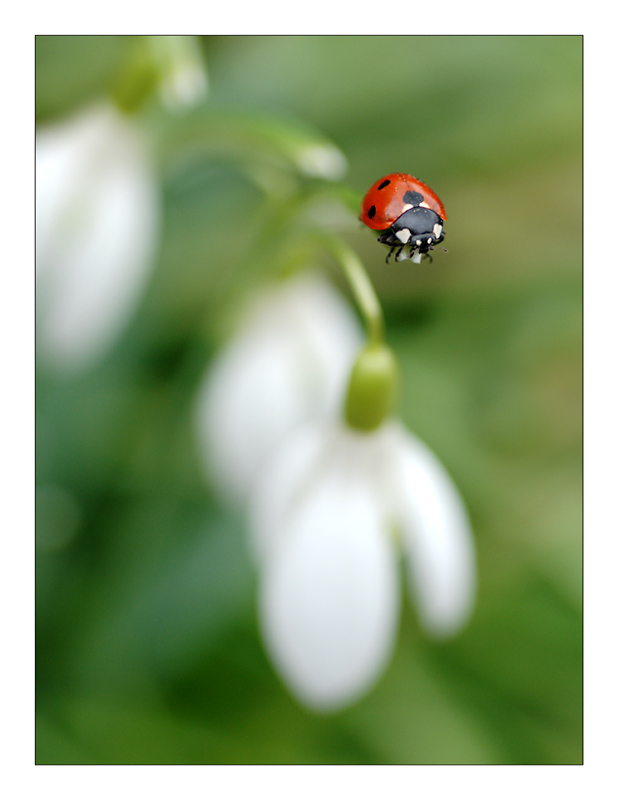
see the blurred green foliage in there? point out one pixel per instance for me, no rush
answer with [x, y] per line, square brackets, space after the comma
[147, 644]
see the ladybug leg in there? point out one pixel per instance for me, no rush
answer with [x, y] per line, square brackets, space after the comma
[391, 251]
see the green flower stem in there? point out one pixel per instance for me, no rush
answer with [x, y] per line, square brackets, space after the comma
[361, 287]
[372, 386]
[248, 137]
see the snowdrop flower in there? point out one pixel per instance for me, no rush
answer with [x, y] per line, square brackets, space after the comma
[97, 217]
[334, 504]
[287, 365]
[331, 515]
[334, 509]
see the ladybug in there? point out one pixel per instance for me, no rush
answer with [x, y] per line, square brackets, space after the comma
[408, 212]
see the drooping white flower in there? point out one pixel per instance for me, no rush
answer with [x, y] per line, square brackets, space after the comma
[97, 218]
[287, 365]
[333, 506]
[330, 517]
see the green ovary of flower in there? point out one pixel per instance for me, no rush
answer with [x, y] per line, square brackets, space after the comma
[372, 388]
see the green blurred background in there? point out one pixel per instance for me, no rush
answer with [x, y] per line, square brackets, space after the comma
[146, 640]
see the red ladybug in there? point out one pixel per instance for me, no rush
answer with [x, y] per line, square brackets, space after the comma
[407, 211]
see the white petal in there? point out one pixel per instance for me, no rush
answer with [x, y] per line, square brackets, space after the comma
[287, 365]
[245, 407]
[287, 475]
[329, 597]
[436, 535]
[299, 462]
[97, 218]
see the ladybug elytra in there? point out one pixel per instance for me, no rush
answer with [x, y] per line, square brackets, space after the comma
[408, 212]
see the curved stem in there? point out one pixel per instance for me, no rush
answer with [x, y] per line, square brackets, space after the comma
[361, 286]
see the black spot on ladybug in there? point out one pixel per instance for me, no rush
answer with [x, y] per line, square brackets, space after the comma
[372, 212]
[414, 198]
[383, 185]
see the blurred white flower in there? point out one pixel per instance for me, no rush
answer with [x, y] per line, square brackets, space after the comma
[330, 516]
[184, 81]
[97, 219]
[287, 365]
[331, 509]
[322, 161]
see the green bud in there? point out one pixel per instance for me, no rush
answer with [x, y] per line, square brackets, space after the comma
[372, 388]
[137, 79]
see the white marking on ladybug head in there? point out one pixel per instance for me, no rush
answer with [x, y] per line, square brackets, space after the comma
[429, 240]
[418, 243]
[437, 229]
[403, 235]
